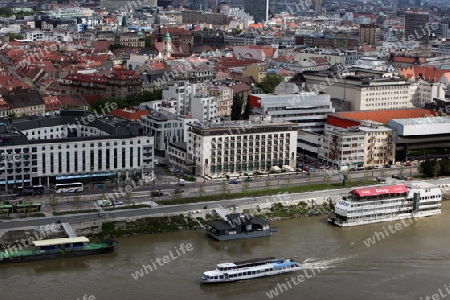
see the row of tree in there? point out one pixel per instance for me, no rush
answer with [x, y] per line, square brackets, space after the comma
[434, 168]
[132, 100]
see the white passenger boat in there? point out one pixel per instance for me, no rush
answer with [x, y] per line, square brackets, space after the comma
[387, 203]
[249, 269]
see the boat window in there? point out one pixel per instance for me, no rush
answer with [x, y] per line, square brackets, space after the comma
[221, 277]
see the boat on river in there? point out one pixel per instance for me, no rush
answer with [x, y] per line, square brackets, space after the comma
[56, 248]
[249, 269]
[387, 203]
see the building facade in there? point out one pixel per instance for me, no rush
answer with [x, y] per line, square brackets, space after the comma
[74, 146]
[368, 145]
[241, 146]
[417, 26]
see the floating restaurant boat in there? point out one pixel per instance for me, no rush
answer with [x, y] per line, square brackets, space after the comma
[238, 226]
[387, 203]
[56, 248]
[249, 269]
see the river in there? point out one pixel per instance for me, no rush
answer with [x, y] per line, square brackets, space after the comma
[411, 261]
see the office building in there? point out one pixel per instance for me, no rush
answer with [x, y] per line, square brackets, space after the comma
[241, 146]
[417, 26]
[73, 146]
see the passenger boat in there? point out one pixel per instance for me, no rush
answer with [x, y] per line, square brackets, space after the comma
[56, 248]
[387, 203]
[249, 269]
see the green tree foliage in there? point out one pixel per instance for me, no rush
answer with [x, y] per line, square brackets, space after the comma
[14, 36]
[115, 46]
[148, 41]
[429, 168]
[269, 83]
[445, 166]
[237, 107]
[132, 100]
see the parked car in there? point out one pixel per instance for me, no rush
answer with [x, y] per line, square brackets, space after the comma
[408, 164]
[234, 181]
[248, 179]
[387, 166]
[395, 176]
[179, 191]
[174, 170]
[117, 202]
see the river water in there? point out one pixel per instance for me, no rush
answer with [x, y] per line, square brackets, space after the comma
[411, 261]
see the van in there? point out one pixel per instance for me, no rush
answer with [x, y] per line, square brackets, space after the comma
[182, 182]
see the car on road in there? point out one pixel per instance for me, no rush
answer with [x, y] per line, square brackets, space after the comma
[387, 166]
[408, 164]
[117, 202]
[179, 191]
[234, 181]
[248, 179]
[174, 170]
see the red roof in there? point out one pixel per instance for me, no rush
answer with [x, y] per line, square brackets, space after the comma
[391, 189]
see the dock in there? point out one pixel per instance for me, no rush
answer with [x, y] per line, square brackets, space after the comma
[69, 230]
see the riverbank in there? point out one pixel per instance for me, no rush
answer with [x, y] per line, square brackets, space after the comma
[273, 208]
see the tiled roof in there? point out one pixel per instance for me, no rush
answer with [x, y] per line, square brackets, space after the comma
[129, 114]
[429, 73]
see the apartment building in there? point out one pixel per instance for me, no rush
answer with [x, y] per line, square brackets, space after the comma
[425, 92]
[75, 145]
[116, 84]
[224, 99]
[204, 107]
[367, 145]
[257, 72]
[241, 146]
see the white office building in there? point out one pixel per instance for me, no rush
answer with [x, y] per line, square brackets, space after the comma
[203, 107]
[308, 110]
[236, 147]
[74, 146]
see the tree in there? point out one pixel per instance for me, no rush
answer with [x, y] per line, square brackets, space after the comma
[76, 204]
[288, 181]
[247, 110]
[148, 41]
[128, 198]
[201, 190]
[429, 168]
[445, 166]
[267, 183]
[245, 187]
[14, 36]
[223, 187]
[269, 83]
[237, 107]
[53, 202]
[401, 171]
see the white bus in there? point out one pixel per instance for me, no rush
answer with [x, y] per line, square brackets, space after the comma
[76, 187]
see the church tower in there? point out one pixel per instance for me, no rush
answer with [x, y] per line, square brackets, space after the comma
[167, 51]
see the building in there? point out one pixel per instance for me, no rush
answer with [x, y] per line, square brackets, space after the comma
[73, 146]
[204, 107]
[366, 145]
[116, 84]
[369, 34]
[257, 72]
[257, 9]
[236, 147]
[201, 17]
[201, 5]
[364, 89]
[224, 98]
[421, 134]
[24, 103]
[165, 128]
[308, 110]
[417, 26]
